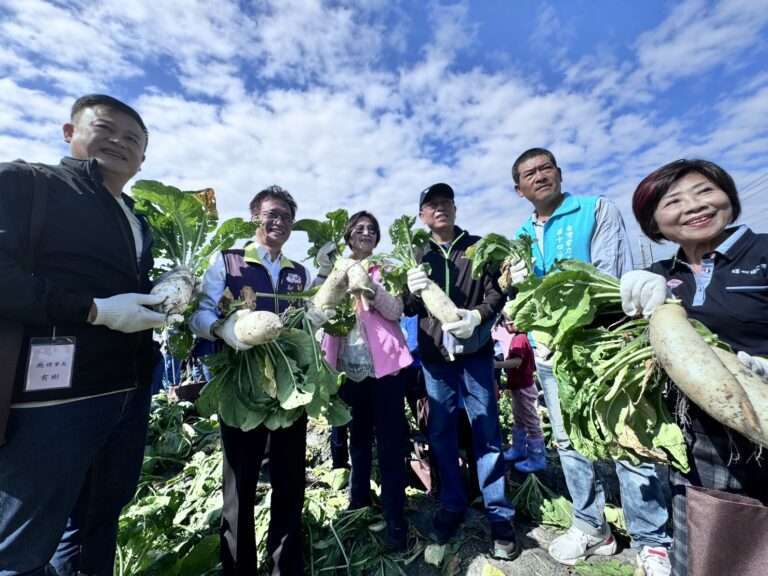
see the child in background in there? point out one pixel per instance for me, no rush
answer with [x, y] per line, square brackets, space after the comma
[527, 450]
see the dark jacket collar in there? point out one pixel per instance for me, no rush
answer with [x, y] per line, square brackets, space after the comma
[88, 168]
[461, 238]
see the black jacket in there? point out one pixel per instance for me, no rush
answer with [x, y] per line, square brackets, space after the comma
[452, 271]
[85, 251]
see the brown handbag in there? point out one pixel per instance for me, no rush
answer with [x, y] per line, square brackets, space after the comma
[727, 534]
[12, 331]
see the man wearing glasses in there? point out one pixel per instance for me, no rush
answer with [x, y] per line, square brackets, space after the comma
[457, 360]
[262, 267]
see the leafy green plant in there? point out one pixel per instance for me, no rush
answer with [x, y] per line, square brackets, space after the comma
[611, 387]
[186, 233]
[320, 232]
[495, 253]
[533, 499]
[275, 383]
[406, 244]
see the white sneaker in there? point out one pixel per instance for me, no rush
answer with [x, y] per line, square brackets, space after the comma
[654, 561]
[576, 545]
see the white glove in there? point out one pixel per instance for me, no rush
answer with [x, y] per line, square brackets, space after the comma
[325, 257]
[417, 280]
[316, 316]
[759, 366]
[226, 331]
[465, 326]
[642, 292]
[128, 313]
[518, 272]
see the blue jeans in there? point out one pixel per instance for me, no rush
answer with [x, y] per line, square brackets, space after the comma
[643, 500]
[378, 410]
[65, 475]
[472, 377]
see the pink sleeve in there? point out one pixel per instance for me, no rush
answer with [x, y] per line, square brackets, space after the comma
[390, 307]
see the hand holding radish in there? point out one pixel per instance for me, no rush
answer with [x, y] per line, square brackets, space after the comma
[316, 316]
[325, 257]
[465, 326]
[758, 366]
[226, 331]
[642, 292]
[417, 280]
[127, 313]
[517, 272]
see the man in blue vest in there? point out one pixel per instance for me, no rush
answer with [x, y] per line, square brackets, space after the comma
[262, 267]
[587, 228]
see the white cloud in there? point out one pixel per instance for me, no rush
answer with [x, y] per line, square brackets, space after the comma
[306, 94]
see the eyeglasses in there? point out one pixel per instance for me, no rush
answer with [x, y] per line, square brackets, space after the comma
[363, 229]
[274, 216]
[440, 204]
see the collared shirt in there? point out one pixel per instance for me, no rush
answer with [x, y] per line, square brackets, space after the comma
[214, 284]
[730, 295]
[704, 276]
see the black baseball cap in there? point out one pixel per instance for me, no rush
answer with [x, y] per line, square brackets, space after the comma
[439, 189]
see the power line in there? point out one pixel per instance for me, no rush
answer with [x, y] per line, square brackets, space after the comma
[756, 182]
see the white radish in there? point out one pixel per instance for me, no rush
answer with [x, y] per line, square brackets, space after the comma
[178, 288]
[257, 327]
[333, 290]
[360, 283]
[438, 303]
[358, 279]
[700, 374]
[754, 387]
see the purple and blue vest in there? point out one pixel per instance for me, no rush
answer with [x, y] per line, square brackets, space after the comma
[244, 268]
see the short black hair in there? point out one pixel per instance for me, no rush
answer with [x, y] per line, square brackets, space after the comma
[355, 218]
[91, 100]
[527, 155]
[277, 193]
[652, 188]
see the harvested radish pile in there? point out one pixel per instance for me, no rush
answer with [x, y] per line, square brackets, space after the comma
[186, 233]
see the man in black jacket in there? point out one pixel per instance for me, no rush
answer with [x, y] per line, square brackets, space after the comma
[79, 405]
[457, 359]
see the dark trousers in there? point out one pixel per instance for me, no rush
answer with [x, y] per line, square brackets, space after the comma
[340, 437]
[65, 474]
[378, 410]
[243, 453]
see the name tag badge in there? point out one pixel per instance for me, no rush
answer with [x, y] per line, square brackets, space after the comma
[50, 363]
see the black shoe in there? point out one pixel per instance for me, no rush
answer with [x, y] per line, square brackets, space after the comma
[396, 541]
[504, 541]
[446, 523]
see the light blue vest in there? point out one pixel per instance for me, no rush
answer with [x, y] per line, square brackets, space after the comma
[567, 233]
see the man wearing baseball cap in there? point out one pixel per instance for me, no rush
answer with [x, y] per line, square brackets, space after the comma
[457, 360]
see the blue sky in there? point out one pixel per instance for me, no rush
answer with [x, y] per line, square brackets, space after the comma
[363, 103]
